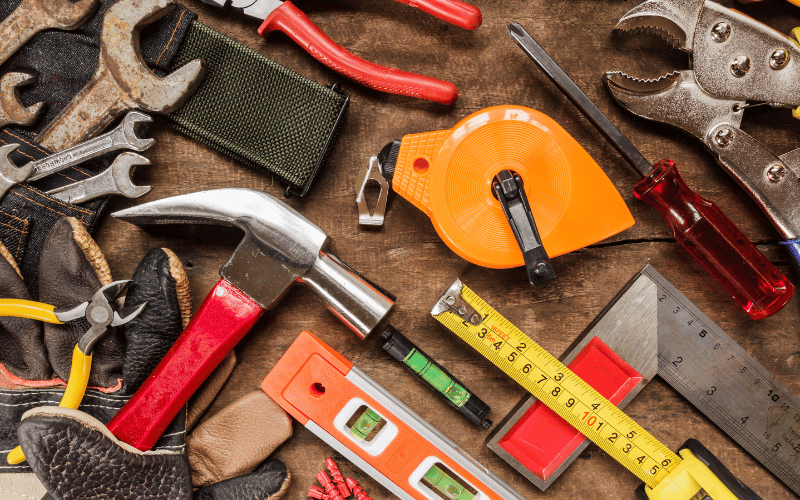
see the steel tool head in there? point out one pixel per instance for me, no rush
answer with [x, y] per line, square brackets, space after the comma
[67, 15]
[122, 170]
[675, 99]
[9, 173]
[101, 313]
[15, 112]
[120, 51]
[129, 131]
[673, 20]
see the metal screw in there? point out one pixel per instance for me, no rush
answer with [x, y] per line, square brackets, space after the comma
[99, 315]
[779, 59]
[775, 173]
[720, 32]
[450, 300]
[462, 310]
[724, 137]
[540, 268]
[740, 66]
[475, 319]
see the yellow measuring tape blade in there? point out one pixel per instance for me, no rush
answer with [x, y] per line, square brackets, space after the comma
[562, 391]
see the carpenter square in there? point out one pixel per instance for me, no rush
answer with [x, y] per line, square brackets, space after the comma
[699, 360]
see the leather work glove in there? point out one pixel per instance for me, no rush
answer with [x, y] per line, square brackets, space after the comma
[35, 357]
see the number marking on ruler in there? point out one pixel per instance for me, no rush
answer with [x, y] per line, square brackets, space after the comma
[557, 387]
[729, 386]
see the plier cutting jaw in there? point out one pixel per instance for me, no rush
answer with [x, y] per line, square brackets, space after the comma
[100, 312]
[278, 15]
[733, 55]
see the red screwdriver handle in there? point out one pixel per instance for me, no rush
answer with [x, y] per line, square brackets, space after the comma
[455, 12]
[715, 242]
[290, 20]
[223, 318]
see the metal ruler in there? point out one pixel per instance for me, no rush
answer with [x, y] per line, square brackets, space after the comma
[695, 356]
[712, 371]
[516, 354]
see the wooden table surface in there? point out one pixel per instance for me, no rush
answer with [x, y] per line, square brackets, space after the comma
[407, 257]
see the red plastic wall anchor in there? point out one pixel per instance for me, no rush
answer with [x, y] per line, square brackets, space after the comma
[223, 318]
[291, 20]
[330, 489]
[541, 440]
[316, 492]
[330, 464]
[454, 12]
[357, 490]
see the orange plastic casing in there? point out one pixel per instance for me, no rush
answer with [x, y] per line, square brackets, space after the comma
[310, 382]
[448, 175]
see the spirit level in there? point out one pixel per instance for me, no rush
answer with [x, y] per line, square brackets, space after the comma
[665, 474]
[340, 404]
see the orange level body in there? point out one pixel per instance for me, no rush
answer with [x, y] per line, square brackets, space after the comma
[324, 391]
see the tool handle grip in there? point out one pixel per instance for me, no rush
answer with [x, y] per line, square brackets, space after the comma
[223, 318]
[793, 247]
[455, 12]
[290, 20]
[28, 309]
[715, 242]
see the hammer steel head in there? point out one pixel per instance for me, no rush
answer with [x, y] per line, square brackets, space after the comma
[120, 51]
[13, 111]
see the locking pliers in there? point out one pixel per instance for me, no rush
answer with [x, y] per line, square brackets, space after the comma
[737, 62]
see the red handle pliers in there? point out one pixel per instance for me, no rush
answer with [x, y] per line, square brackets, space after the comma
[284, 16]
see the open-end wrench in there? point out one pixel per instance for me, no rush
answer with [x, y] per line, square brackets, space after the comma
[115, 180]
[33, 16]
[122, 80]
[12, 111]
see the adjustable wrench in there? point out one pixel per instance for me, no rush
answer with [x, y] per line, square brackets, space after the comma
[12, 111]
[33, 16]
[122, 81]
[116, 179]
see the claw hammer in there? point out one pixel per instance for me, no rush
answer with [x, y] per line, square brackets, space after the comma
[280, 247]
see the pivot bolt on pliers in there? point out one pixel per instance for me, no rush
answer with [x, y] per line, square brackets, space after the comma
[100, 312]
[737, 62]
[284, 16]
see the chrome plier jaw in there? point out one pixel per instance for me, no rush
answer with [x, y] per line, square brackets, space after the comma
[733, 55]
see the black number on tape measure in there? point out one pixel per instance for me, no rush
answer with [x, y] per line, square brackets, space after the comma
[498, 345]
[599, 425]
[711, 391]
[689, 323]
[653, 469]
[613, 437]
[773, 396]
[757, 381]
[776, 447]
[677, 309]
[703, 333]
[559, 376]
[661, 299]
[526, 369]
[556, 391]
[626, 448]
[521, 347]
[640, 459]
[677, 361]
[595, 406]
[744, 369]
[665, 462]
[767, 435]
[716, 346]
[744, 419]
[544, 377]
[631, 435]
[570, 403]
[512, 357]
[482, 333]
[732, 356]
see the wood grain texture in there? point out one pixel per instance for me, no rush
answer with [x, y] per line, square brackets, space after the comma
[407, 257]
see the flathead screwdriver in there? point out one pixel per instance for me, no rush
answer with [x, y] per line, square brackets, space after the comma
[696, 223]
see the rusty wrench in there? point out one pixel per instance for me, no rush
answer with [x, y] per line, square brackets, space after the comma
[122, 80]
[12, 111]
[116, 179]
[33, 16]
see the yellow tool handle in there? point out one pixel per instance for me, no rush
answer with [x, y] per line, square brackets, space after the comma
[28, 309]
[73, 395]
[562, 391]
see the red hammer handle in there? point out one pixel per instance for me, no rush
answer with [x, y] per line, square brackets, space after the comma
[223, 318]
[290, 20]
[454, 12]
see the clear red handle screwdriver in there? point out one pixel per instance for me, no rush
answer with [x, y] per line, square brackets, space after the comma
[696, 223]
